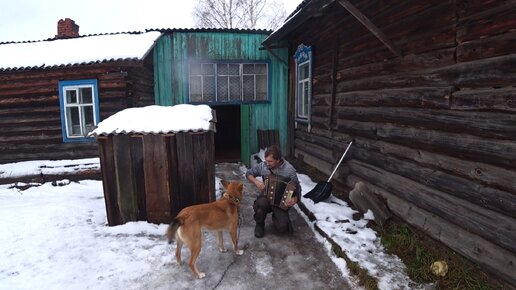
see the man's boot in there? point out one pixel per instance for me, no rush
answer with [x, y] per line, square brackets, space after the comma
[259, 229]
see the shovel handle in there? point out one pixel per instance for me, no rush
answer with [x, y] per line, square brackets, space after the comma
[338, 164]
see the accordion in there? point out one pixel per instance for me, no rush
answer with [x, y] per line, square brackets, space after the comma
[279, 190]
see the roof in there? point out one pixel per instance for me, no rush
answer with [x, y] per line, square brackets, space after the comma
[74, 51]
[158, 120]
[229, 30]
[304, 11]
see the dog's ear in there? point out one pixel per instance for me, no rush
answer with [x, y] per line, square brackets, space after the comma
[225, 183]
[241, 187]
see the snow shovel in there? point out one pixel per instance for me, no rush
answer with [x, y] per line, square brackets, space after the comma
[322, 190]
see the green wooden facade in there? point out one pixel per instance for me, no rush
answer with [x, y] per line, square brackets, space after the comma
[174, 51]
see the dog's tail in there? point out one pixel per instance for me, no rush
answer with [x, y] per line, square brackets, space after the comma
[172, 228]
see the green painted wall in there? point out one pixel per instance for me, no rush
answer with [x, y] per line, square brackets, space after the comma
[174, 51]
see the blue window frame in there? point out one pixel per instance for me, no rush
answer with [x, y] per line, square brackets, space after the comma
[79, 109]
[228, 82]
[303, 58]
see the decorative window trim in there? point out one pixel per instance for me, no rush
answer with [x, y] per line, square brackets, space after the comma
[223, 94]
[303, 57]
[64, 105]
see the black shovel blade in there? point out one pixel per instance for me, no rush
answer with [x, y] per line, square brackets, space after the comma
[320, 192]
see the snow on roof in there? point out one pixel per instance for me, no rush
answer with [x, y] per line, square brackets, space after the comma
[81, 50]
[158, 119]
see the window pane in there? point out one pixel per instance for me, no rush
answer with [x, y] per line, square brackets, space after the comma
[195, 89]
[71, 96]
[207, 69]
[260, 68]
[85, 95]
[222, 89]
[222, 69]
[234, 69]
[248, 87]
[248, 69]
[235, 89]
[87, 113]
[74, 125]
[303, 71]
[261, 88]
[305, 99]
[208, 89]
[195, 69]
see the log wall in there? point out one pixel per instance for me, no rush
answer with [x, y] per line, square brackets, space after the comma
[435, 129]
[30, 119]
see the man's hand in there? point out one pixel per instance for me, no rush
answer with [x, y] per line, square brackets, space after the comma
[260, 185]
[292, 201]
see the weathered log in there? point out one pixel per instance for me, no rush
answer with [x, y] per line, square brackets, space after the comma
[491, 225]
[424, 97]
[499, 125]
[485, 99]
[481, 195]
[499, 261]
[482, 173]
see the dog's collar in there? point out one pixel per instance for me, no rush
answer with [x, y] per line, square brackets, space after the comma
[236, 200]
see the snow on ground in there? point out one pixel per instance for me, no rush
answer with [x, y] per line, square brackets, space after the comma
[56, 237]
[45, 167]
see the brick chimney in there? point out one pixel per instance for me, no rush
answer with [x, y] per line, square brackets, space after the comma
[67, 28]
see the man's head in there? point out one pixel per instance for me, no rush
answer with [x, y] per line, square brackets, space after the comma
[273, 156]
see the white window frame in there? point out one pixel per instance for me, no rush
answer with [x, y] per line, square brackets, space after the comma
[303, 57]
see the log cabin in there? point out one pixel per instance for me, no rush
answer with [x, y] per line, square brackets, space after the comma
[54, 91]
[426, 90]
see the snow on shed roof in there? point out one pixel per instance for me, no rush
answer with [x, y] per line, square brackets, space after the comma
[157, 120]
[73, 51]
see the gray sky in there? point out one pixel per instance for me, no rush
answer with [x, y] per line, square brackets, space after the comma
[37, 19]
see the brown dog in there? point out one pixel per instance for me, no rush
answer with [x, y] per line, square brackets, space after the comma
[216, 216]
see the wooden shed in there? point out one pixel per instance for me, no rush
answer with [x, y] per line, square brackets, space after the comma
[426, 90]
[226, 69]
[54, 91]
[151, 172]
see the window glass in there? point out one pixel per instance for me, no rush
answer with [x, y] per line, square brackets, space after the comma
[261, 87]
[195, 89]
[85, 95]
[208, 89]
[228, 82]
[74, 125]
[71, 96]
[222, 89]
[235, 88]
[248, 87]
[248, 69]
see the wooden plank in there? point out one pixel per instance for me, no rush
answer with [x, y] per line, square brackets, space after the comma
[136, 145]
[185, 169]
[173, 169]
[498, 261]
[126, 187]
[200, 163]
[493, 226]
[155, 165]
[107, 166]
